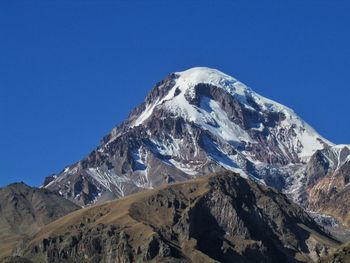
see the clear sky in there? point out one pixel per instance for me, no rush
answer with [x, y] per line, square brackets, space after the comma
[71, 70]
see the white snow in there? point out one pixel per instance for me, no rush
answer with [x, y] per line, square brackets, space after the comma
[341, 154]
[188, 169]
[140, 157]
[168, 147]
[186, 82]
[146, 113]
[211, 117]
[190, 78]
[108, 180]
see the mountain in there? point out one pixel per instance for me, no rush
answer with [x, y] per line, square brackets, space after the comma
[24, 210]
[200, 121]
[216, 218]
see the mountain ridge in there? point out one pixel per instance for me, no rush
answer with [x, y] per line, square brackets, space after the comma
[24, 210]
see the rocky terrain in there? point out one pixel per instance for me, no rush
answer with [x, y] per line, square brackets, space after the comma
[329, 192]
[24, 210]
[341, 255]
[216, 218]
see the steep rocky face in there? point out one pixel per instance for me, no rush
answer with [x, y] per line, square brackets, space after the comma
[219, 218]
[330, 192]
[24, 210]
[341, 255]
[192, 123]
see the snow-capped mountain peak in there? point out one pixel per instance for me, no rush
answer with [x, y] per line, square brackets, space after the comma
[188, 79]
[184, 89]
[193, 122]
[208, 113]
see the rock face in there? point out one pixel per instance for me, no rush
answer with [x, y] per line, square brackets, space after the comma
[341, 255]
[24, 210]
[218, 218]
[329, 190]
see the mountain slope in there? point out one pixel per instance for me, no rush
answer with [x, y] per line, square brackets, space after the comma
[193, 122]
[24, 210]
[329, 189]
[219, 218]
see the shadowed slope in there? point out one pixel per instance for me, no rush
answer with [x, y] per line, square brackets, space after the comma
[24, 210]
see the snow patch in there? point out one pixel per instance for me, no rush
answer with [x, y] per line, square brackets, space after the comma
[187, 169]
[210, 116]
[108, 180]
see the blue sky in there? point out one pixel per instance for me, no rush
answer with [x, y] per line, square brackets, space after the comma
[71, 70]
